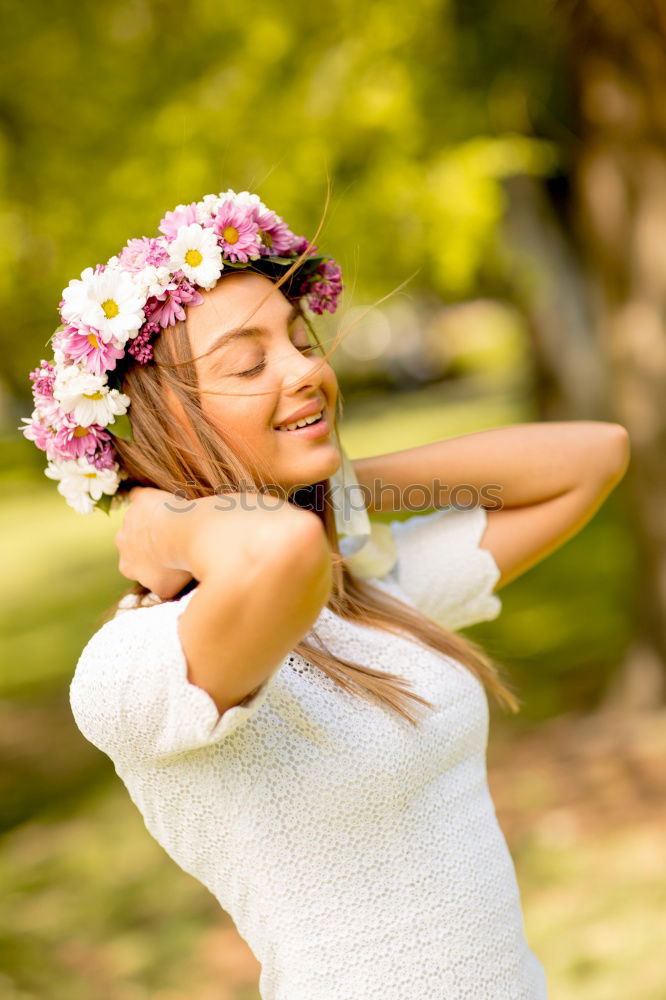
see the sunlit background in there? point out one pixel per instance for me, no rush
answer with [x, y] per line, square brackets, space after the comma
[507, 158]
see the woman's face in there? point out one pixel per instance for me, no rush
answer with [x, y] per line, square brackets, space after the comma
[265, 355]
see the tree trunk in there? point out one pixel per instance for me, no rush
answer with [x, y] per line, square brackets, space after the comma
[570, 366]
[618, 75]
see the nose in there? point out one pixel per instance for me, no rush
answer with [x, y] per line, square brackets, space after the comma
[305, 370]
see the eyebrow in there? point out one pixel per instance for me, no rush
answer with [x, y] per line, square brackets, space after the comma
[248, 331]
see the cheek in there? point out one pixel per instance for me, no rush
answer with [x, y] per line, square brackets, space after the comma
[240, 418]
[330, 381]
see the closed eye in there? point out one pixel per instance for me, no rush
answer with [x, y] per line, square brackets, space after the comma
[303, 348]
[252, 371]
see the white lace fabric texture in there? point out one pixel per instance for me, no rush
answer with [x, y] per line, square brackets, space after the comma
[360, 858]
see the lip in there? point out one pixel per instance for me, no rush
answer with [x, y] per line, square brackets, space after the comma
[318, 430]
[308, 410]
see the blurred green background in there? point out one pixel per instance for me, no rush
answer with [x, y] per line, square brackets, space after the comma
[509, 160]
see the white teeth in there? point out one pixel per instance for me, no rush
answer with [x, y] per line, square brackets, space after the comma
[302, 423]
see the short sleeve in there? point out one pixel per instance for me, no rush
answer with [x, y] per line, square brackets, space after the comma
[130, 695]
[441, 568]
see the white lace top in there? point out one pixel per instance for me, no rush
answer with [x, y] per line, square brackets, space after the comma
[360, 858]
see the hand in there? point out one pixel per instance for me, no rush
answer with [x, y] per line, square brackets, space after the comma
[142, 558]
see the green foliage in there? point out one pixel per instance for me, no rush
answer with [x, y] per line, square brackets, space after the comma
[121, 427]
[116, 112]
[104, 503]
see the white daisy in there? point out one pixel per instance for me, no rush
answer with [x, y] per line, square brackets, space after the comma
[152, 280]
[80, 483]
[207, 207]
[109, 301]
[88, 397]
[195, 252]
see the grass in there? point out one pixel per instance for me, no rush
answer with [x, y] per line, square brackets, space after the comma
[594, 912]
[63, 576]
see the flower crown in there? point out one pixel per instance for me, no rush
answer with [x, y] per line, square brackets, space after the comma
[115, 311]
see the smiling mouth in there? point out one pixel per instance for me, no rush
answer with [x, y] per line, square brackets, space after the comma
[316, 418]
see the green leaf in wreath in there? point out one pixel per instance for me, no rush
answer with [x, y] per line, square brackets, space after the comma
[104, 502]
[121, 428]
[310, 264]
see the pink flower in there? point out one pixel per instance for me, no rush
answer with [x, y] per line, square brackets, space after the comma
[105, 457]
[143, 252]
[238, 233]
[41, 433]
[183, 215]
[48, 410]
[42, 379]
[276, 237]
[74, 441]
[169, 310]
[302, 244]
[141, 348]
[83, 343]
[323, 286]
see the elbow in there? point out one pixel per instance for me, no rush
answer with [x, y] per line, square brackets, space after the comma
[605, 458]
[616, 452]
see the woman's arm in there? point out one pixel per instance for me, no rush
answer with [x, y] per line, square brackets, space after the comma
[541, 482]
[264, 572]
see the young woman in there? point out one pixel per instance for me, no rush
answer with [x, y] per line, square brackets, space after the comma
[256, 693]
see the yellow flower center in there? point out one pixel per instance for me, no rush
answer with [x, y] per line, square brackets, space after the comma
[80, 432]
[266, 238]
[93, 395]
[193, 258]
[230, 234]
[93, 339]
[89, 475]
[110, 307]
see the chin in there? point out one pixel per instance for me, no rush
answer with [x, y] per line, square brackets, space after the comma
[334, 462]
[318, 468]
[326, 465]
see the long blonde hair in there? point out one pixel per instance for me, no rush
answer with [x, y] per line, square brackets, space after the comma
[162, 455]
